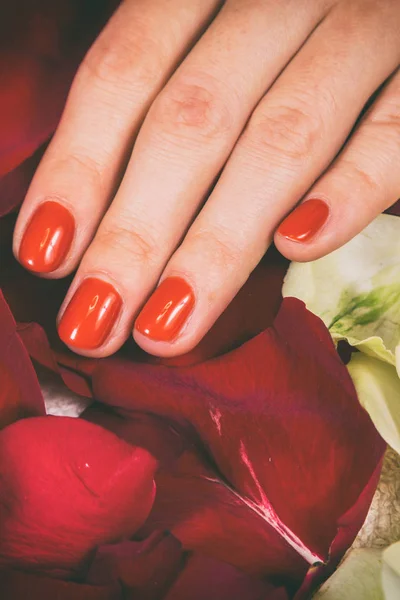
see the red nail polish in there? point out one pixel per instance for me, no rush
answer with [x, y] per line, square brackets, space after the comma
[90, 316]
[166, 311]
[47, 238]
[305, 221]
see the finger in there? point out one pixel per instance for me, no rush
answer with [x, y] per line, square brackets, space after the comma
[113, 89]
[363, 182]
[293, 135]
[184, 142]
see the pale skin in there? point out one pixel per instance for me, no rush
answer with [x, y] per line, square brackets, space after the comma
[194, 127]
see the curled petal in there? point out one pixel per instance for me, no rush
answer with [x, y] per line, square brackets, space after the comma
[67, 486]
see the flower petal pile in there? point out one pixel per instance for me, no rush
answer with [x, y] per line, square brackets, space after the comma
[253, 453]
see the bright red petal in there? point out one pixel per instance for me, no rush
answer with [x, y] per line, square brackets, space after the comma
[67, 486]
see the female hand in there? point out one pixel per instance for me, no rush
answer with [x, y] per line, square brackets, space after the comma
[258, 96]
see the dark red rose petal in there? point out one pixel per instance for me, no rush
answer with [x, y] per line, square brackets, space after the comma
[14, 185]
[41, 46]
[161, 438]
[395, 209]
[20, 394]
[35, 339]
[348, 526]
[157, 569]
[17, 585]
[208, 517]
[145, 569]
[205, 579]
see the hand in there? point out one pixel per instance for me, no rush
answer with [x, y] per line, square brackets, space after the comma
[258, 96]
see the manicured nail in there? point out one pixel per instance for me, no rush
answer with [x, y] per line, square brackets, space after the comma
[47, 238]
[89, 317]
[305, 221]
[167, 310]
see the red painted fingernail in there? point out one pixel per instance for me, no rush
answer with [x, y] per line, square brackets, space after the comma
[90, 316]
[305, 221]
[167, 310]
[47, 238]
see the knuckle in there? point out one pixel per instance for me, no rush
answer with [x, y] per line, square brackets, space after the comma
[361, 178]
[131, 241]
[367, 180]
[386, 127]
[288, 133]
[185, 108]
[80, 167]
[122, 62]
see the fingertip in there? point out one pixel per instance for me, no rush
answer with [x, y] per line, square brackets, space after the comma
[45, 241]
[298, 235]
[162, 349]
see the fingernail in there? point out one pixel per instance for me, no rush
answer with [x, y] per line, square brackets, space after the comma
[167, 310]
[89, 317]
[305, 221]
[47, 238]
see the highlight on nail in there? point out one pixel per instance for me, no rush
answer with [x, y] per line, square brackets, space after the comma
[305, 221]
[90, 315]
[167, 310]
[47, 238]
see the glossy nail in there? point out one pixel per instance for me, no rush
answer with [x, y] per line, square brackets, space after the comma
[91, 314]
[167, 310]
[47, 238]
[305, 221]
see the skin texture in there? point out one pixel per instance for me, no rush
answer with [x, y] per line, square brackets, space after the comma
[165, 108]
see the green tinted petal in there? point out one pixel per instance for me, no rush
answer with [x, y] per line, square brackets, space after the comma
[391, 572]
[356, 289]
[357, 578]
[378, 389]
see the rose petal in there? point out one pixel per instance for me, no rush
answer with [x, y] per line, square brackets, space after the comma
[145, 569]
[20, 394]
[42, 44]
[156, 569]
[67, 486]
[203, 576]
[208, 517]
[277, 415]
[16, 585]
[314, 394]
[35, 339]
[395, 209]
[14, 184]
